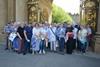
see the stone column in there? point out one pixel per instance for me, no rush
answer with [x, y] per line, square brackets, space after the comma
[50, 17]
[3, 13]
[21, 10]
[98, 24]
[3, 18]
[97, 42]
[11, 10]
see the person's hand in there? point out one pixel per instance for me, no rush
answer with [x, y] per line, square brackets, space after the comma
[28, 40]
[20, 38]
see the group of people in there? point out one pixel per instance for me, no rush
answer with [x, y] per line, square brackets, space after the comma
[42, 37]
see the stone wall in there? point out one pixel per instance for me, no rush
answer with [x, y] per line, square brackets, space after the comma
[21, 10]
[3, 13]
[11, 10]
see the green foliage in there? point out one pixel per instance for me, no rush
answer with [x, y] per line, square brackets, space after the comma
[59, 15]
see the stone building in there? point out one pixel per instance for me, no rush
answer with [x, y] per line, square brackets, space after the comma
[24, 10]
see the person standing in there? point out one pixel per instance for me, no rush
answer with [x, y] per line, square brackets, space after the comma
[75, 32]
[69, 37]
[43, 35]
[82, 36]
[28, 36]
[21, 37]
[52, 38]
[35, 38]
[7, 30]
[61, 40]
[15, 42]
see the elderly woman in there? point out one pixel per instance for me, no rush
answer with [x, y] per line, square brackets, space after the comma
[52, 38]
[35, 38]
[82, 37]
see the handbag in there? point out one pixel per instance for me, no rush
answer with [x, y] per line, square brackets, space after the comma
[12, 36]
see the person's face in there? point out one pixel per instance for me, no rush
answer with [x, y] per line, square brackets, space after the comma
[81, 27]
[41, 25]
[37, 25]
[12, 23]
[22, 25]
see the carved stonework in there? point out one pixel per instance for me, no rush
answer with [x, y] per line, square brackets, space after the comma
[32, 10]
[91, 12]
[38, 10]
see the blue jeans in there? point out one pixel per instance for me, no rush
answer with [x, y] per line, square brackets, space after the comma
[83, 47]
[42, 45]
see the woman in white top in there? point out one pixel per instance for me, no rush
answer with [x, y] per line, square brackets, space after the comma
[82, 36]
[35, 38]
[43, 36]
[52, 38]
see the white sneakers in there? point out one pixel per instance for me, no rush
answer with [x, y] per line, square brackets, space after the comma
[44, 52]
[40, 52]
[33, 53]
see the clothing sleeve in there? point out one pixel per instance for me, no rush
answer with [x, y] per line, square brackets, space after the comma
[18, 29]
[79, 37]
[33, 31]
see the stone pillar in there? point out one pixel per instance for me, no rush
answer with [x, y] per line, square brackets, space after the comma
[97, 42]
[11, 10]
[3, 18]
[98, 24]
[50, 17]
[21, 10]
[3, 14]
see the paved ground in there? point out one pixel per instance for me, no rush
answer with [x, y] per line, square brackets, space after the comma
[11, 59]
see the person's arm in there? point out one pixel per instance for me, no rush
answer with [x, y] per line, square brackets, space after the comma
[25, 35]
[79, 37]
[66, 37]
[46, 38]
[19, 35]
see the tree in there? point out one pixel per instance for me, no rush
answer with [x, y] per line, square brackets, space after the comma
[59, 15]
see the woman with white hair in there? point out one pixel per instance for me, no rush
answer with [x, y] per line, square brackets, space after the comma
[52, 37]
[35, 38]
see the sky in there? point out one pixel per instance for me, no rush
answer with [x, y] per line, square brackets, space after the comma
[71, 6]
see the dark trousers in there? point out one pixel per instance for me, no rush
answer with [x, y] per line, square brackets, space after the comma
[42, 45]
[61, 44]
[9, 44]
[69, 46]
[78, 45]
[74, 44]
[83, 47]
[27, 47]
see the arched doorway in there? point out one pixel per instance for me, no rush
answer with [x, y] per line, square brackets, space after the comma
[38, 10]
